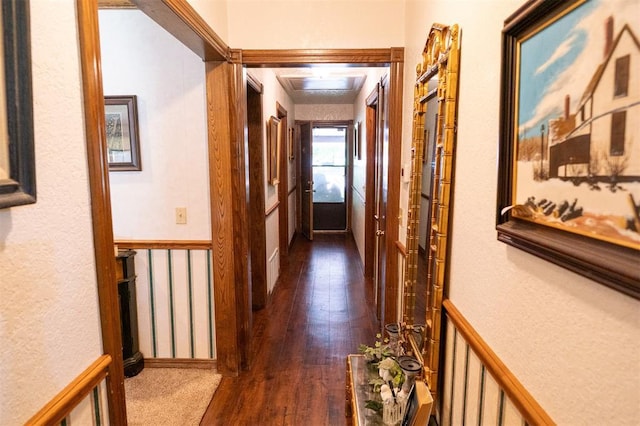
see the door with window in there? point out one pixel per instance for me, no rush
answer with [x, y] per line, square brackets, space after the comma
[329, 169]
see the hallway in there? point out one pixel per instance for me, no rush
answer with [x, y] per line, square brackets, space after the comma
[320, 311]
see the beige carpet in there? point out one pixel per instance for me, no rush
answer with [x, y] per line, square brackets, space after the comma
[169, 396]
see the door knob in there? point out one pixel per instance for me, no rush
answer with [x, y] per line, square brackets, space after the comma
[379, 233]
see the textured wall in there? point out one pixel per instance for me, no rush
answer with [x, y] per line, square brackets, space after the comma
[324, 112]
[303, 24]
[573, 343]
[214, 13]
[140, 58]
[49, 321]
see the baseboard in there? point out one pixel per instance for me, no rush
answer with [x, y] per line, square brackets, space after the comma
[209, 364]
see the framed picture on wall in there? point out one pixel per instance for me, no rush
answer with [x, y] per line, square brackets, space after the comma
[290, 144]
[273, 150]
[357, 141]
[17, 152]
[569, 166]
[123, 146]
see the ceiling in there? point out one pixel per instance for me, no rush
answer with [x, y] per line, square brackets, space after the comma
[322, 85]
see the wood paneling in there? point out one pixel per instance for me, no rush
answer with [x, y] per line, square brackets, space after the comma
[164, 244]
[116, 4]
[532, 412]
[292, 57]
[370, 190]
[98, 169]
[283, 187]
[64, 402]
[393, 197]
[206, 364]
[257, 229]
[181, 20]
[220, 81]
[272, 209]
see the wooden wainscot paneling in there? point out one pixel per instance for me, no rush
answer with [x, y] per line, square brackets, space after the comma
[62, 404]
[164, 244]
[529, 408]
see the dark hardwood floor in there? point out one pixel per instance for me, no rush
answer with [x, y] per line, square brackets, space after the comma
[321, 310]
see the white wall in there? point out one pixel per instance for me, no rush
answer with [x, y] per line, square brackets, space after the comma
[214, 13]
[140, 58]
[295, 24]
[573, 343]
[328, 112]
[49, 321]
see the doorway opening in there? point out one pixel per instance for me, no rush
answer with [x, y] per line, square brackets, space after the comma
[329, 170]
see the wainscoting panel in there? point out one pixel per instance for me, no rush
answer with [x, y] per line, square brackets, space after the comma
[175, 303]
[478, 387]
[93, 410]
[273, 269]
[81, 402]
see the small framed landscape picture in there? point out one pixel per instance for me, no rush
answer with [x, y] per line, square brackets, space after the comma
[123, 147]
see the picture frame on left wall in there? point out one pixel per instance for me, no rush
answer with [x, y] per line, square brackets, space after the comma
[17, 151]
[123, 146]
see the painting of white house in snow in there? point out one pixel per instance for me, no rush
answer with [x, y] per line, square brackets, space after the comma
[577, 124]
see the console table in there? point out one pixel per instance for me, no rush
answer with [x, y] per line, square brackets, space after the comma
[359, 391]
[126, 276]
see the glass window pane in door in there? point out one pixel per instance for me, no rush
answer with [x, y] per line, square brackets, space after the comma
[329, 164]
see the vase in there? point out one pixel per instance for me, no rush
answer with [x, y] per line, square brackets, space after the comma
[394, 336]
[411, 367]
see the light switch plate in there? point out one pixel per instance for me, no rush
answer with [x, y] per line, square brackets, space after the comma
[181, 215]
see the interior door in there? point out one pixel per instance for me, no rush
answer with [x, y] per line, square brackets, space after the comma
[329, 162]
[381, 189]
[306, 178]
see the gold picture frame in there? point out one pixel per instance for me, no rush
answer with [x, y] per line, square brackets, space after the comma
[273, 150]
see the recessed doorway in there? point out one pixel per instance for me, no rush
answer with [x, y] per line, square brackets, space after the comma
[329, 169]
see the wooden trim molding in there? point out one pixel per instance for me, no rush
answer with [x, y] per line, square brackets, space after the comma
[63, 403]
[98, 169]
[164, 244]
[293, 57]
[272, 209]
[395, 83]
[116, 4]
[528, 407]
[205, 364]
[179, 18]
[359, 195]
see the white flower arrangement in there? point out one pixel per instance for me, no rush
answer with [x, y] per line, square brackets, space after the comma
[390, 376]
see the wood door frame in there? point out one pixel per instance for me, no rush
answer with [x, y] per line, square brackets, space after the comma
[228, 197]
[369, 208]
[257, 234]
[283, 186]
[394, 58]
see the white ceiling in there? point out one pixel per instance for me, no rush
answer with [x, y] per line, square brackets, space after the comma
[322, 85]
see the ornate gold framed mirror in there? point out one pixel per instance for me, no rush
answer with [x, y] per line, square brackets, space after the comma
[433, 146]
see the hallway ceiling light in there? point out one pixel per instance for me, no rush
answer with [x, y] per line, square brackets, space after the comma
[322, 85]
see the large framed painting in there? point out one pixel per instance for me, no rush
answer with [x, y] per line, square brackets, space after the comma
[569, 166]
